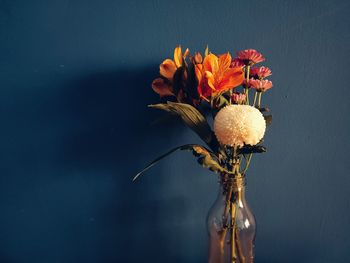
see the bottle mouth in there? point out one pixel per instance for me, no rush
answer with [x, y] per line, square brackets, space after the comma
[236, 182]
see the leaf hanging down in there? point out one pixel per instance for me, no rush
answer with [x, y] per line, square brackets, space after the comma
[205, 158]
[154, 162]
[193, 119]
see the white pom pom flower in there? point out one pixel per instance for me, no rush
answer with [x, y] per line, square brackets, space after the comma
[236, 125]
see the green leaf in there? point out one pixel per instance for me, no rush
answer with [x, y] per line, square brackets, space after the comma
[154, 162]
[193, 119]
[246, 149]
[205, 157]
[222, 101]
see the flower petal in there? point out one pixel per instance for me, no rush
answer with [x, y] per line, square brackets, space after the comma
[163, 89]
[238, 98]
[210, 79]
[198, 58]
[178, 56]
[250, 56]
[167, 69]
[206, 83]
[224, 61]
[260, 72]
[232, 78]
[210, 63]
[260, 85]
[186, 53]
[198, 71]
[204, 91]
[237, 63]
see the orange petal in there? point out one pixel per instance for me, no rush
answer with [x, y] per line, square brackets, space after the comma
[163, 89]
[178, 56]
[186, 53]
[210, 63]
[232, 78]
[224, 61]
[167, 69]
[198, 70]
[210, 79]
[205, 91]
[198, 58]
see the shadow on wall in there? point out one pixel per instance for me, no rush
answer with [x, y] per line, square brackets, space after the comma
[111, 131]
[77, 201]
[78, 204]
[109, 111]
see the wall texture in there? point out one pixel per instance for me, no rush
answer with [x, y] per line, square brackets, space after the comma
[74, 84]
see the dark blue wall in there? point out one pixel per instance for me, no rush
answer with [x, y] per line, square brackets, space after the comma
[74, 84]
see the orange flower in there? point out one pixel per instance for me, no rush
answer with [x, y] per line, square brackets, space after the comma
[168, 67]
[198, 58]
[164, 86]
[161, 87]
[215, 75]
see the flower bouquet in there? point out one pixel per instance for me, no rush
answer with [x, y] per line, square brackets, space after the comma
[229, 91]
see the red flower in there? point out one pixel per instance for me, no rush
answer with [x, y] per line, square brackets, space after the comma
[237, 63]
[238, 98]
[261, 72]
[250, 56]
[261, 85]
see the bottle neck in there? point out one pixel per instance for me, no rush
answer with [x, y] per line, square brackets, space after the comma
[237, 184]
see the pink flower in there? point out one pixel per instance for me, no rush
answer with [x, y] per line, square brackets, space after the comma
[246, 83]
[261, 85]
[261, 72]
[237, 63]
[250, 56]
[238, 98]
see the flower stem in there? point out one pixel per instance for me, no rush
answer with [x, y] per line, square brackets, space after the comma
[235, 170]
[233, 232]
[247, 85]
[247, 163]
[247, 73]
[259, 100]
[246, 92]
[255, 95]
[239, 248]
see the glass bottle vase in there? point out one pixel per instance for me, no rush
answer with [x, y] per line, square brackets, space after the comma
[231, 224]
